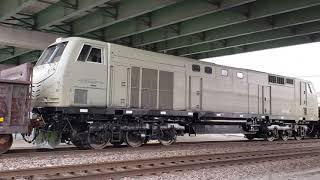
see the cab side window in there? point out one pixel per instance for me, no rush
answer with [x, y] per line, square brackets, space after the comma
[95, 55]
[224, 72]
[90, 54]
[84, 53]
[240, 75]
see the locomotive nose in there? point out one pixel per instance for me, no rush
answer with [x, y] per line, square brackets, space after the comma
[43, 72]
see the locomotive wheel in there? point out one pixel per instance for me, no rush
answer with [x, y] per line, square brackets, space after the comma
[5, 142]
[272, 135]
[98, 140]
[249, 136]
[134, 138]
[168, 137]
[80, 139]
[284, 135]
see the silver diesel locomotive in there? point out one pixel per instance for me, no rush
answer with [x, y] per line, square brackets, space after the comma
[91, 93]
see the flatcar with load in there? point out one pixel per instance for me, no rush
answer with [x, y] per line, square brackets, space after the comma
[91, 93]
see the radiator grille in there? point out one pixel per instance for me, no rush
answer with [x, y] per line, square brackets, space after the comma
[149, 88]
[135, 82]
[166, 90]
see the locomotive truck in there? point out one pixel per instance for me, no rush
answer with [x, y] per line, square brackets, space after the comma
[93, 93]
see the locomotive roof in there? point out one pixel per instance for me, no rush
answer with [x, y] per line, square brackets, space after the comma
[182, 58]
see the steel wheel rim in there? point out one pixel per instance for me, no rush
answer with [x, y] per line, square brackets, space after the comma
[134, 139]
[6, 141]
[270, 136]
[80, 140]
[167, 138]
[94, 144]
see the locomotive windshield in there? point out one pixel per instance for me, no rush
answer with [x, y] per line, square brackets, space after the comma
[52, 54]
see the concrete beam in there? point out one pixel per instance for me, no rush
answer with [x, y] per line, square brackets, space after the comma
[9, 8]
[259, 25]
[260, 46]
[58, 12]
[26, 39]
[186, 10]
[271, 35]
[125, 10]
[256, 10]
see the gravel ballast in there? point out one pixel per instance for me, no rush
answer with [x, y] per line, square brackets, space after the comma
[124, 154]
[294, 169]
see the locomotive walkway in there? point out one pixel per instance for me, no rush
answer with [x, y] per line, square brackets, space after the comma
[162, 165]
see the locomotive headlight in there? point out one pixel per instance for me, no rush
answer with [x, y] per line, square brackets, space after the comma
[1, 119]
[58, 40]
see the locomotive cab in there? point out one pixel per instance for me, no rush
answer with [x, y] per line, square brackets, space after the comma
[70, 72]
[46, 87]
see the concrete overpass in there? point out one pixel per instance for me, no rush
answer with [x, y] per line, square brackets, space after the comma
[192, 28]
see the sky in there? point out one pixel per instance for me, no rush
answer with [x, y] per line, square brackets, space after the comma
[302, 61]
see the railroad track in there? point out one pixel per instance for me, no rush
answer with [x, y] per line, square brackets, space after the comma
[147, 167]
[14, 153]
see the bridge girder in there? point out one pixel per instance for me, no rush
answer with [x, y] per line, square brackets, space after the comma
[125, 10]
[258, 25]
[260, 46]
[64, 10]
[179, 27]
[264, 36]
[9, 8]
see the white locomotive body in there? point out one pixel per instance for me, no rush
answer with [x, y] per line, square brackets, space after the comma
[84, 80]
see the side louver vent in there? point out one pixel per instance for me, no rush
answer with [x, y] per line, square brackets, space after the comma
[80, 96]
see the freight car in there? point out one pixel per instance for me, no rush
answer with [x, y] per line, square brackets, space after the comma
[92, 93]
[15, 103]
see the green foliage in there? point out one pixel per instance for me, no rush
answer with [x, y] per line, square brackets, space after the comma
[48, 139]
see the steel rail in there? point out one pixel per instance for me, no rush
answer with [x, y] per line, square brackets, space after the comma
[14, 153]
